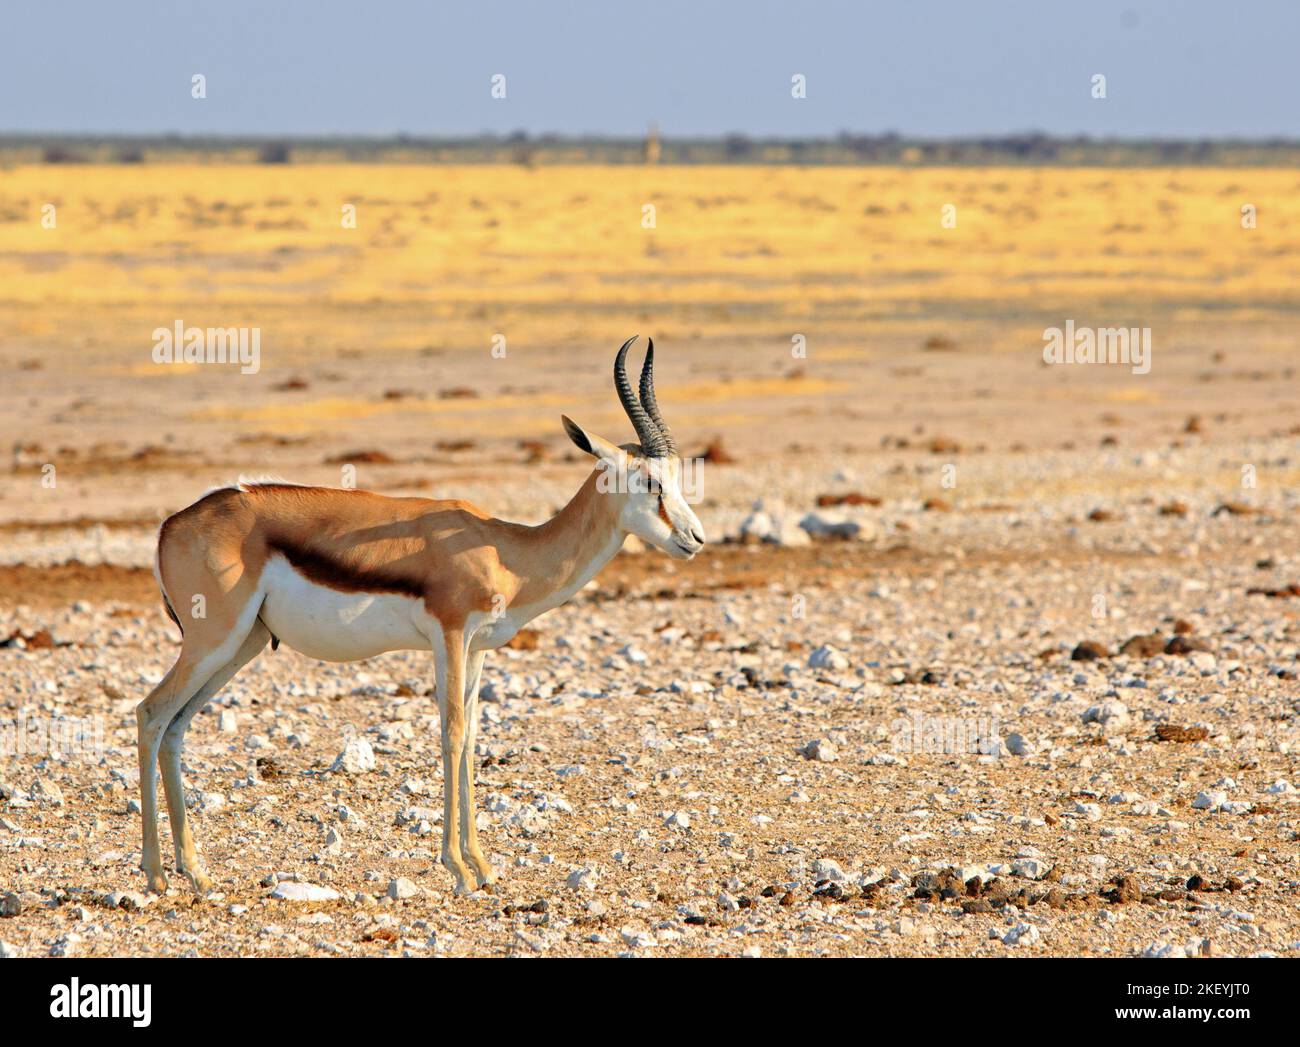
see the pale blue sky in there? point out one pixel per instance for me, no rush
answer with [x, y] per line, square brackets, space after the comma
[942, 68]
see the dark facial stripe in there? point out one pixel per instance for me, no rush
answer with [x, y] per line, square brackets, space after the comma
[663, 512]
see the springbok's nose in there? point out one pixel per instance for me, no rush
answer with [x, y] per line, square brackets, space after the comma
[697, 535]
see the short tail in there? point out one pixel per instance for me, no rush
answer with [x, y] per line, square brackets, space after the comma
[157, 573]
[171, 613]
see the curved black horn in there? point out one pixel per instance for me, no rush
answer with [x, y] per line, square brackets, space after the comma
[652, 442]
[648, 400]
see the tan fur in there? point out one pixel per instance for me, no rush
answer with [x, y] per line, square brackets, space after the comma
[449, 554]
[344, 575]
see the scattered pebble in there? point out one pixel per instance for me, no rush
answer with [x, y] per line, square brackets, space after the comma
[291, 891]
[357, 757]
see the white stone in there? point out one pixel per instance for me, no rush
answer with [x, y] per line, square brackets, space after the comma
[357, 757]
[827, 657]
[1022, 934]
[1109, 712]
[305, 892]
[637, 939]
[1030, 868]
[401, 888]
[1165, 951]
[827, 869]
[47, 793]
[633, 654]
[584, 879]
[821, 750]
[759, 524]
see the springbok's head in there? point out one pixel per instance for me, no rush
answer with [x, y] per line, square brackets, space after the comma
[647, 477]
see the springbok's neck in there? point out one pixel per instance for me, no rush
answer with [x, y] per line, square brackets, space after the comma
[566, 551]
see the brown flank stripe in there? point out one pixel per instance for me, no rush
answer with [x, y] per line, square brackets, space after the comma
[328, 571]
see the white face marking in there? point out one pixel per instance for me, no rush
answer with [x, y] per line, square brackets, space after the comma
[653, 505]
[655, 492]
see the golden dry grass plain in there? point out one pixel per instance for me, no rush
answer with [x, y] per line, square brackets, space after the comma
[446, 256]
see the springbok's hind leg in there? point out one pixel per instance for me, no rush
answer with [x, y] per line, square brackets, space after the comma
[187, 859]
[152, 717]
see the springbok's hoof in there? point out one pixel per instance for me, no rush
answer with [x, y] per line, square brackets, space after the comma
[200, 881]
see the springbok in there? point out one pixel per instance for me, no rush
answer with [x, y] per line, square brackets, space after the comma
[343, 575]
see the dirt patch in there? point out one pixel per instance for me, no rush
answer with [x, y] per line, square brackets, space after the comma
[46, 587]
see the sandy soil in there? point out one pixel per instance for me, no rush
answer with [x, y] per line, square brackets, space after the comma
[645, 763]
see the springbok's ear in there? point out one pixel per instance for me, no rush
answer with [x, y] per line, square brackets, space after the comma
[594, 445]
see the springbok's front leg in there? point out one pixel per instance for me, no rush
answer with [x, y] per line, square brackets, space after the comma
[469, 847]
[451, 714]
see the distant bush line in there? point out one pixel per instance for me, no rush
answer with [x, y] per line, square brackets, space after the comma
[1029, 149]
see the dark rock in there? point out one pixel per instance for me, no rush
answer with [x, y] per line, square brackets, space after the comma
[1089, 651]
[1125, 891]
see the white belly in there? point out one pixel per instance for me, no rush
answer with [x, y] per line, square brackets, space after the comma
[337, 626]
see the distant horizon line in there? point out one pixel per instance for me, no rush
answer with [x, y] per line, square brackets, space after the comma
[522, 135]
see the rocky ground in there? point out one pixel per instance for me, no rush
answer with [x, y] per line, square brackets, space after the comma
[1003, 662]
[962, 730]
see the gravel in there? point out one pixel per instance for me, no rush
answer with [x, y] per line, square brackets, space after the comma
[776, 748]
